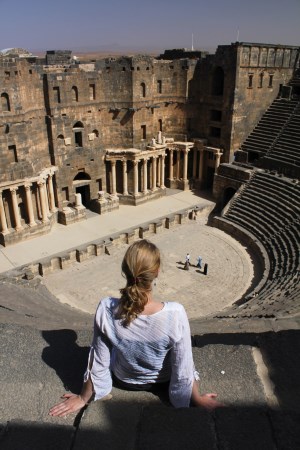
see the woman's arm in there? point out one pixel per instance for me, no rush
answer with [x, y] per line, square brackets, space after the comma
[73, 402]
[97, 378]
[206, 401]
[184, 389]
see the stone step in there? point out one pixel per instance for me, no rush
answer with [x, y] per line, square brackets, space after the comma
[37, 366]
[37, 307]
[122, 426]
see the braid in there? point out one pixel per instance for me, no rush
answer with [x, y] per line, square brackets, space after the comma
[140, 266]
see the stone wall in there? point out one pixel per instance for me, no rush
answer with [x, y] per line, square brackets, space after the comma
[60, 118]
[23, 135]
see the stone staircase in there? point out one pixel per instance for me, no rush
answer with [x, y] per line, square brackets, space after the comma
[271, 127]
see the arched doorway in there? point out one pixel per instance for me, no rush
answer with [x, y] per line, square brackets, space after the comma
[81, 183]
[78, 134]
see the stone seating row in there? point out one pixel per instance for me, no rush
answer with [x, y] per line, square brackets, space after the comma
[281, 254]
[268, 207]
[273, 302]
[281, 187]
[251, 199]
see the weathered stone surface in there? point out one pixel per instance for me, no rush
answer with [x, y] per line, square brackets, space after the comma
[243, 428]
[186, 428]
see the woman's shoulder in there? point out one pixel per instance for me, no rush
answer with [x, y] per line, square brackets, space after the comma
[107, 303]
[174, 306]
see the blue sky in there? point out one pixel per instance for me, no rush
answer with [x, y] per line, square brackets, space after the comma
[145, 25]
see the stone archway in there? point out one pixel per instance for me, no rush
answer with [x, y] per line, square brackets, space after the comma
[81, 184]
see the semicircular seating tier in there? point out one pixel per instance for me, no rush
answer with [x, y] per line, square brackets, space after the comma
[268, 208]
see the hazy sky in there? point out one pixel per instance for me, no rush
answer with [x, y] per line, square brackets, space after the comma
[146, 25]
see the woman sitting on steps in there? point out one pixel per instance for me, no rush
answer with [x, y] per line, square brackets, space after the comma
[139, 343]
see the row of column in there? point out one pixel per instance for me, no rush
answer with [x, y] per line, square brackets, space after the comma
[177, 167]
[201, 163]
[47, 203]
[158, 174]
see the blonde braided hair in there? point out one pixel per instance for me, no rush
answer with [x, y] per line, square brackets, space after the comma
[140, 267]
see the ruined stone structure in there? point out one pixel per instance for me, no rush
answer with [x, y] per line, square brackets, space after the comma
[260, 196]
[90, 135]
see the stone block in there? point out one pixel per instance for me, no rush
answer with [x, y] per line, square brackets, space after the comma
[177, 219]
[56, 263]
[131, 236]
[184, 216]
[81, 255]
[72, 215]
[115, 239]
[109, 247]
[68, 260]
[99, 249]
[45, 268]
[123, 238]
[158, 226]
[144, 231]
[151, 228]
[170, 221]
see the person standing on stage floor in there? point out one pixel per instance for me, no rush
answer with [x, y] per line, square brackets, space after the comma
[187, 262]
[199, 262]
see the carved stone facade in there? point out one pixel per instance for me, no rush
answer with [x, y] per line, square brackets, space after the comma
[126, 128]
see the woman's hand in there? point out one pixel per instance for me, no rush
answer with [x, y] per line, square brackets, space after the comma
[72, 403]
[208, 402]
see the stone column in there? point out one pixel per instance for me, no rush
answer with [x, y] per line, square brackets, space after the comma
[201, 165]
[159, 137]
[41, 186]
[218, 158]
[16, 208]
[113, 178]
[178, 165]
[78, 200]
[145, 175]
[135, 178]
[2, 216]
[158, 171]
[125, 182]
[32, 222]
[46, 197]
[185, 164]
[195, 163]
[171, 166]
[162, 175]
[153, 173]
[51, 193]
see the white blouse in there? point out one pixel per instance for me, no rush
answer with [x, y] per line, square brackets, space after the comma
[153, 349]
